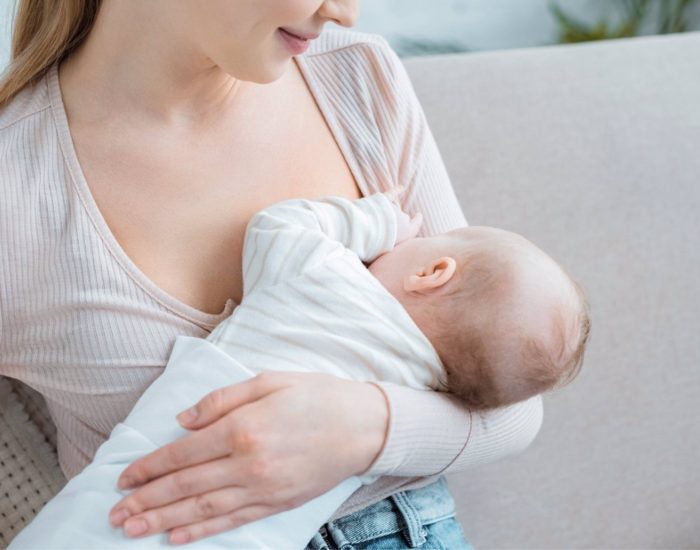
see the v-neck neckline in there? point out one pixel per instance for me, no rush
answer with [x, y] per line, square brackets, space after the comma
[177, 306]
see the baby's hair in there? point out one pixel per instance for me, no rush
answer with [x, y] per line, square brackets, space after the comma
[471, 366]
[572, 367]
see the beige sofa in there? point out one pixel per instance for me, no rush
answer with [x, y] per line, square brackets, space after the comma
[592, 151]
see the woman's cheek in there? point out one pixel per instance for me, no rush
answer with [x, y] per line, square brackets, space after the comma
[290, 13]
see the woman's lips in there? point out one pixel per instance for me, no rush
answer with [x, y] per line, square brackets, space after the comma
[293, 43]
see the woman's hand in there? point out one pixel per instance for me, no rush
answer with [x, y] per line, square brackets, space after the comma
[257, 448]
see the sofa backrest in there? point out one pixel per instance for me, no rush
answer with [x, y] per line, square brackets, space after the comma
[593, 152]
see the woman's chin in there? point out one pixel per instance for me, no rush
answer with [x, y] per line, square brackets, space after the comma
[266, 70]
[270, 72]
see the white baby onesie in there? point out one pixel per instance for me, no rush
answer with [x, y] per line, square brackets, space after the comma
[309, 304]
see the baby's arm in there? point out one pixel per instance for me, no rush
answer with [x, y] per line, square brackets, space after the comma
[291, 236]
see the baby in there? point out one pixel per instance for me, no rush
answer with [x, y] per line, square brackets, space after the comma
[477, 311]
[505, 319]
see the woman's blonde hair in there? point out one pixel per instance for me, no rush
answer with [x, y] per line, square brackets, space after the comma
[43, 31]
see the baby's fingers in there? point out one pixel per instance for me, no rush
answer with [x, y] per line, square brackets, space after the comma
[415, 225]
[393, 193]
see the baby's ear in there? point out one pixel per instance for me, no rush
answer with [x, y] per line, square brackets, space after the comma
[434, 276]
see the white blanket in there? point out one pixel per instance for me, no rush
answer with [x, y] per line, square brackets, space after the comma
[78, 516]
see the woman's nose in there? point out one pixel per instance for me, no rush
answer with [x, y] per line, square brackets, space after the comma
[342, 12]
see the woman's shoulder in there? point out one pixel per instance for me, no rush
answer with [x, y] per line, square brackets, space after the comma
[367, 88]
[350, 54]
[28, 148]
[333, 39]
[26, 125]
[29, 101]
[362, 76]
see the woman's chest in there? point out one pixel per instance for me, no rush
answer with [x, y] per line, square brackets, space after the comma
[179, 208]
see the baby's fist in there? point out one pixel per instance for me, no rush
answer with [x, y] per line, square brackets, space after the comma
[406, 227]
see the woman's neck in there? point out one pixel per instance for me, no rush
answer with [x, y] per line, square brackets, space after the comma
[132, 64]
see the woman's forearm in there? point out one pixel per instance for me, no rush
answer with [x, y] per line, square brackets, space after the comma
[433, 432]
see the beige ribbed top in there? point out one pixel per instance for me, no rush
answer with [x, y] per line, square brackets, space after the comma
[84, 326]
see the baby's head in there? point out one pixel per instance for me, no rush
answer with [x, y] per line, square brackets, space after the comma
[504, 317]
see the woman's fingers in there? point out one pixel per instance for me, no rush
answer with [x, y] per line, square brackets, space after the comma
[202, 446]
[176, 486]
[220, 524]
[192, 449]
[221, 401]
[187, 511]
[276, 463]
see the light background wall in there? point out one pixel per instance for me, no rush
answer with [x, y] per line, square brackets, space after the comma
[6, 10]
[478, 24]
[485, 24]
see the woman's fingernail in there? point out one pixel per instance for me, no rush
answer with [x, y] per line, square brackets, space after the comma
[179, 537]
[188, 416]
[135, 527]
[118, 516]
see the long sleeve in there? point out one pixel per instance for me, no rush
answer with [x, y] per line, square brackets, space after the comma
[434, 432]
[292, 236]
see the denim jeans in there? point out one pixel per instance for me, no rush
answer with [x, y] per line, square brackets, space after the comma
[415, 518]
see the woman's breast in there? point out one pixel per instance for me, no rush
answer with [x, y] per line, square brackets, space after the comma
[178, 207]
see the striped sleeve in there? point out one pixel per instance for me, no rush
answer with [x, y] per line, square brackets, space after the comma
[292, 236]
[433, 432]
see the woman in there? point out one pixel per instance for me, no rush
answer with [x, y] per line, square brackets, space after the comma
[136, 140]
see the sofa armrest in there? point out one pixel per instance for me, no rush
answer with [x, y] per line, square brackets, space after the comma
[29, 470]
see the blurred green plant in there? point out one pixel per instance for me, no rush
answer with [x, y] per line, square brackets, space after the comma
[671, 16]
[407, 47]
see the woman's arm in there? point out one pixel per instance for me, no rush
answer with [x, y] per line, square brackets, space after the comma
[433, 432]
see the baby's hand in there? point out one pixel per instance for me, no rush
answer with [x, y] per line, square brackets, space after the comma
[406, 228]
[394, 193]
